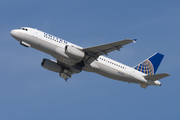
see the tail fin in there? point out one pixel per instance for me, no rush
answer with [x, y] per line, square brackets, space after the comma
[150, 65]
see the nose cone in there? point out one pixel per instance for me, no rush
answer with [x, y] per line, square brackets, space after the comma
[13, 33]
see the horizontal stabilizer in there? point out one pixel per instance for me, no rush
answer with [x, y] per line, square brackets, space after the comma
[156, 76]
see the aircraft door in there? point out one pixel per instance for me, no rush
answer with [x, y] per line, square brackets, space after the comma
[133, 73]
[35, 33]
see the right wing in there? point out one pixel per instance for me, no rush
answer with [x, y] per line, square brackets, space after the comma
[96, 51]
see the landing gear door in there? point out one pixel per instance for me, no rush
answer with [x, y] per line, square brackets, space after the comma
[35, 33]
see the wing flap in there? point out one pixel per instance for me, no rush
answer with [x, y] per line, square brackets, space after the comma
[156, 76]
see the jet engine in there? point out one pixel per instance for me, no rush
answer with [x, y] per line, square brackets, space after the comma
[51, 65]
[74, 52]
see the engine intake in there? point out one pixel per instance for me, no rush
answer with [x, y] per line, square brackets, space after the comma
[74, 52]
[51, 65]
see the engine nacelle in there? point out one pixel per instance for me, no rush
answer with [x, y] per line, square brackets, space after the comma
[51, 65]
[74, 52]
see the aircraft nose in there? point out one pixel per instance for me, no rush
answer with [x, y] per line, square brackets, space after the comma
[13, 33]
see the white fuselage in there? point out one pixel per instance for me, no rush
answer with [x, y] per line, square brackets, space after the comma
[56, 47]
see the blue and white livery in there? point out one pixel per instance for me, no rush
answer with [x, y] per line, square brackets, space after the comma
[72, 59]
[150, 65]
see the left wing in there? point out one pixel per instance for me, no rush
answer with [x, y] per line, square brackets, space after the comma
[96, 51]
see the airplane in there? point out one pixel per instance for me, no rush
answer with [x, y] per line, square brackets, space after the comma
[72, 59]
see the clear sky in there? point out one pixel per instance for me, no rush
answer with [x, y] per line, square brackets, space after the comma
[30, 92]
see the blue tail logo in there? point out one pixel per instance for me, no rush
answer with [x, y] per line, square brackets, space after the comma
[150, 65]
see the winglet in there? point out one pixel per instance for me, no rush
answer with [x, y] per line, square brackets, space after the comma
[134, 40]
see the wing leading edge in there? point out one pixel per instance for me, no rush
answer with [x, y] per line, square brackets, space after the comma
[96, 51]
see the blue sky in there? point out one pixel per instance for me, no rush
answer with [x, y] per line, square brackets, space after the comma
[28, 91]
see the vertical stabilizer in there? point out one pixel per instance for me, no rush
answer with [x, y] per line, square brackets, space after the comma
[150, 65]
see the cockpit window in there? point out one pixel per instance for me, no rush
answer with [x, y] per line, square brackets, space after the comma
[24, 29]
